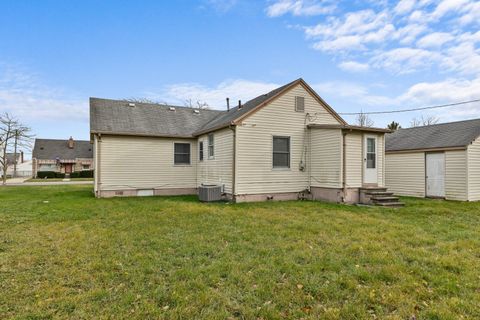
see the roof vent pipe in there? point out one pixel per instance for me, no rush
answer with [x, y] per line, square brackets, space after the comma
[239, 104]
[228, 104]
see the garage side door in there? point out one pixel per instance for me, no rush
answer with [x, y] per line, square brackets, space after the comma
[435, 174]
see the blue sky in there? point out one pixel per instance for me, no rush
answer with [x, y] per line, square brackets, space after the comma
[358, 55]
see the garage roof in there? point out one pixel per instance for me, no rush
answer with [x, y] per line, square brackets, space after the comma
[437, 136]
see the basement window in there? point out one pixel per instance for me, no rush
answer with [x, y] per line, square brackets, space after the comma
[211, 146]
[182, 153]
[300, 104]
[281, 152]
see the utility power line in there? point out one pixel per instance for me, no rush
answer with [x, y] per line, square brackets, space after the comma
[410, 110]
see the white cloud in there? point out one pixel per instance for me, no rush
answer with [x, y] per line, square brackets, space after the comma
[402, 38]
[353, 33]
[353, 66]
[404, 6]
[435, 39]
[405, 60]
[299, 8]
[448, 6]
[214, 96]
[24, 95]
[443, 92]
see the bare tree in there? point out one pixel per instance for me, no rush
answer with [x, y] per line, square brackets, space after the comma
[424, 121]
[197, 105]
[363, 120]
[13, 134]
[145, 100]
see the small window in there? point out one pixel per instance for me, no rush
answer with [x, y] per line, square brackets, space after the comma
[86, 167]
[371, 153]
[281, 152]
[182, 153]
[300, 104]
[200, 151]
[211, 149]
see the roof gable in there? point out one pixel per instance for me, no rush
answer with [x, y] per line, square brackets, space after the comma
[444, 135]
[121, 117]
[236, 115]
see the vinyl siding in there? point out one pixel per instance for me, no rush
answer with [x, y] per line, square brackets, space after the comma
[354, 159]
[474, 171]
[254, 144]
[405, 173]
[219, 169]
[326, 153]
[456, 175]
[380, 160]
[96, 164]
[143, 163]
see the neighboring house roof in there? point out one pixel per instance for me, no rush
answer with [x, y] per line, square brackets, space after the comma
[437, 136]
[51, 149]
[117, 117]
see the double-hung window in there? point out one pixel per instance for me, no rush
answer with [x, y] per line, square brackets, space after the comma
[200, 151]
[182, 153]
[211, 146]
[281, 152]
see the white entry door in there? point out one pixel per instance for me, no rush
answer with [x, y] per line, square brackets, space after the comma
[435, 174]
[370, 174]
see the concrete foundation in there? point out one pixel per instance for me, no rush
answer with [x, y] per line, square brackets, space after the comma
[268, 197]
[156, 192]
[337, 195]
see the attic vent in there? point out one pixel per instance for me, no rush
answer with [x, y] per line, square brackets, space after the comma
[131, 104]
[171, 108]
[196, 111]
[299, 104]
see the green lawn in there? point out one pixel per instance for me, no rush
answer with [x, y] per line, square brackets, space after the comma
[57, 179]
[65, 254]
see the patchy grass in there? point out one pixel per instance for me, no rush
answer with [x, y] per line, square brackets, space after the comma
[64, 254]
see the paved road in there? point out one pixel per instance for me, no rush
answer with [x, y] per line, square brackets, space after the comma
[53, 183]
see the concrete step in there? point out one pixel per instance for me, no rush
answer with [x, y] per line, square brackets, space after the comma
[384, 198]
[390, 204]
[373, 189]
[380, 193]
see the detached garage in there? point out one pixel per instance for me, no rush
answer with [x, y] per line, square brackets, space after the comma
[437, 161]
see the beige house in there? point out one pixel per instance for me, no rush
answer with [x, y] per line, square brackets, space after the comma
[286, 144]
[62, 156]
[438, 161]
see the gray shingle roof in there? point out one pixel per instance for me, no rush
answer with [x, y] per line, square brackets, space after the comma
[444, 135]
[50, 149]
[150, 119]
[117, 117]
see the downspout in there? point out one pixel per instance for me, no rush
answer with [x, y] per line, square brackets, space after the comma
[344, 165]
[234, 158]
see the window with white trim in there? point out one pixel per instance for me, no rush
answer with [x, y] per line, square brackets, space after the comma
[281, 152]
[200, 151]
[211, 146]
[182, 153]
